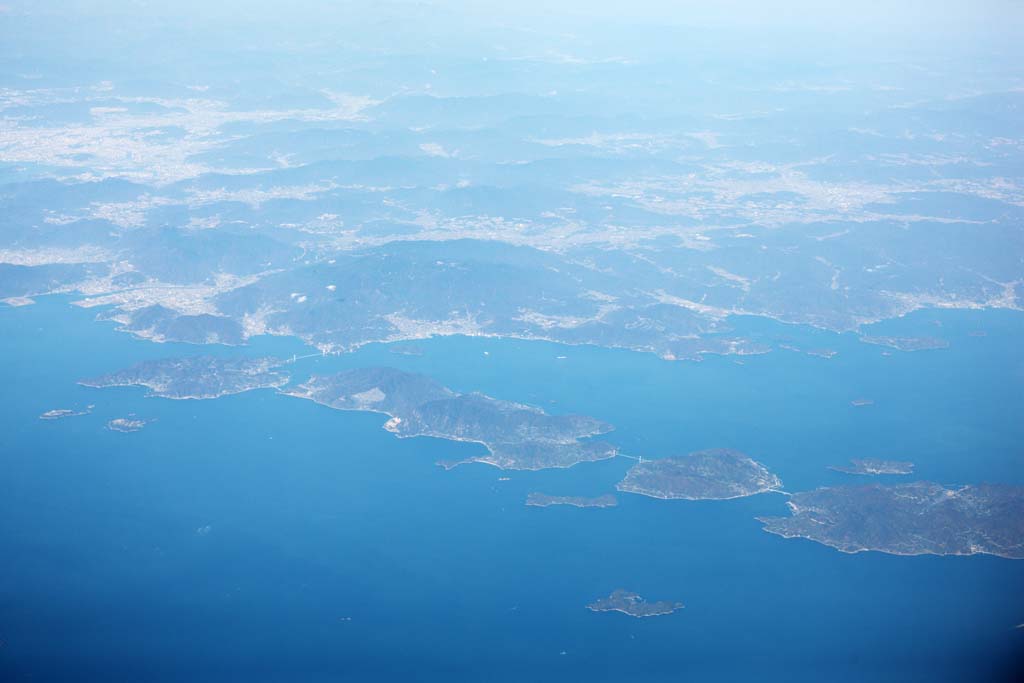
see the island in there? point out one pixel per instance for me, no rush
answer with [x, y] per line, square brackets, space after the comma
[515, 435]
[18, 301]
[400, 349]
[917, 518]
[907, 343]
[715, 474]
[126, 424]
[59, 413]
[632, 604]
[543, 500]
[872, 466]
[820, 353]
[196, 377]
[695, 349]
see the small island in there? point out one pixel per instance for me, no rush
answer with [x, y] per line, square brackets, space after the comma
[920, 518]
[632, 604]
[820, 353]
[696, 348]
[543, 500]
[716, 474]
[872, 466]
[60, 413]
[907, 343]
[516, 436]
[18, 301]
[196, 377]
[400, 349]
[126, 424]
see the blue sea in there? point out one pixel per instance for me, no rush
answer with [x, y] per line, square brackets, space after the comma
[258, 537]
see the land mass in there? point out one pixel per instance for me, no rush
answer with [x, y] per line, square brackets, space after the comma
[516, 436]
[544, 500]
[632, 604]
[715, 474]
[872, 466]
[196, 377]
[909, 519]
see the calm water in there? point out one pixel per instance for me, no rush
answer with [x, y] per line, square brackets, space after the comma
[263, 538]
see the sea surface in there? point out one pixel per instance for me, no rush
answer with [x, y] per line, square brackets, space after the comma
[260, 537]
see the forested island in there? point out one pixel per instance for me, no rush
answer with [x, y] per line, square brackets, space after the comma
[516, 436]
[909, 519]
[715, 474]
[196, 377]
[632, 604]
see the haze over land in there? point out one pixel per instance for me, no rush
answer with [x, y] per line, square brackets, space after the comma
[583, 186]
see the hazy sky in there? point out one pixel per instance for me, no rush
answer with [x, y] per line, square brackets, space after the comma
[919, 17]
[145, 33]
